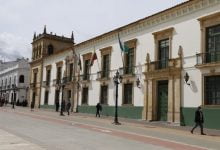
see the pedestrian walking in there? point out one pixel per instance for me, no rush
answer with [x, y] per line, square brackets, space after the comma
[199, 120]
[68, 105]
[62, 108]
[98, 109]
[57, 105]
[32, 105]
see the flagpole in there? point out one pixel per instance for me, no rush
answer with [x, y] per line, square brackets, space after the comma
[97, 60]
[121, 51]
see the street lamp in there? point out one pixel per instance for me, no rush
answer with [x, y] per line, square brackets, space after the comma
[14, 98]
[62, 100]
[117, 80]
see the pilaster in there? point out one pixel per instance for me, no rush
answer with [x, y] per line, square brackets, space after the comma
[170, 100]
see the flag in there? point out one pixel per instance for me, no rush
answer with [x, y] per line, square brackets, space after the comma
[93, 58]
[79, 63]
[124, 48]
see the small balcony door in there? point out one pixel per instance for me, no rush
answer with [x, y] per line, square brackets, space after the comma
[163, 54]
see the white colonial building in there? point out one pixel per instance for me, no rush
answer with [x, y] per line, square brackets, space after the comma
[175, 56]
[14, 80]
[172, 66]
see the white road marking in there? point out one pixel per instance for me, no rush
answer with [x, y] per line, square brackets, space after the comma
[102, 130]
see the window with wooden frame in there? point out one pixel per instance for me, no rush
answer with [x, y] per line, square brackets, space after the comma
[86, 66]
[46, 97]
[70, 72]
[105, 66]
[104, 94]
[212, 90]
[129, 57]
[163, 53]
[59, 74]
[86, 69]
[35, 77]
[85, 95]
[128, 93]
[210, 39]
[59, 66]
[213, 44]
[163, 45]
[105, 57]
[48, 74]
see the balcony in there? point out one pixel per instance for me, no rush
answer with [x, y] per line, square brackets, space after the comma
[85, 77]
[56, 82]
[127, 71]
[70, 79]
[207, 59]
[33, 85]
[163, 68]
[103, 75]
[46, 83]
[8, 86]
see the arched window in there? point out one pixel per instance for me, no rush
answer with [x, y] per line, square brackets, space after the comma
[21, 79]
[50, 49]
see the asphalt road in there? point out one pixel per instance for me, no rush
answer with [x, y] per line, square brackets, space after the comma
[47, 130]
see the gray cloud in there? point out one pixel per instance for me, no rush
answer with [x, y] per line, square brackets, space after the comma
[12, 47]
[87, 18]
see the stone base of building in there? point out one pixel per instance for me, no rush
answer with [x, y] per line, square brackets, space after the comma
[211, 117]
[132, 112]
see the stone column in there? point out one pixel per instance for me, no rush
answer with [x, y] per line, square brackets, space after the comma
[170, 100]
[144, 112]
[177, 100]
[75, 103]
[150, 101]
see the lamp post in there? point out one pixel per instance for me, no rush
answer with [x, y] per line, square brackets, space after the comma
[62, 100]
[117, 79]
[27, 88]
[14, 98]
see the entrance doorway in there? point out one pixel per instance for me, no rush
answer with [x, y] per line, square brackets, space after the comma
[162, 100]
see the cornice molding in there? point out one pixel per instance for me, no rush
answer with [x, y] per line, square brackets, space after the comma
[173, 13]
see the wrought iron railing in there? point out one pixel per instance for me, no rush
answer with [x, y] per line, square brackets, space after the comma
[70, 78]
[208, 57]
[85, 77]
[103, 74]
[46, 83]
[56, 82]
[127, 70]
[33, 85]
[161, 64]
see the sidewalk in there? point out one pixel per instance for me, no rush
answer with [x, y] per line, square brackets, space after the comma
[142, 123]
[11, 142]
[155, 130]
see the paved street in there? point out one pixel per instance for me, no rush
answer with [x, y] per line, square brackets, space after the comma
[21, 129]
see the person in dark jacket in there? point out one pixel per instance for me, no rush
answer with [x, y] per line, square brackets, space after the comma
[98, 109]
[62, 108]
[199, 120]
[68, 105]
[32, 105]
[57, 105]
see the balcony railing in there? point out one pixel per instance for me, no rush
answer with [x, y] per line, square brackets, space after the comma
[85, 77]
[46, 83]
[33, 85]
[56, 82]
[103, 75]
[209, 57]
[127, 70]
[163, 65]
[70, 78]
[8, 86]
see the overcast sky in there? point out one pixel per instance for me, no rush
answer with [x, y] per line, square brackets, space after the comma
[19, 19]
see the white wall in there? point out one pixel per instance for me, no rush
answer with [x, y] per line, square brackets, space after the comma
[187, 34]
[52, 60]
